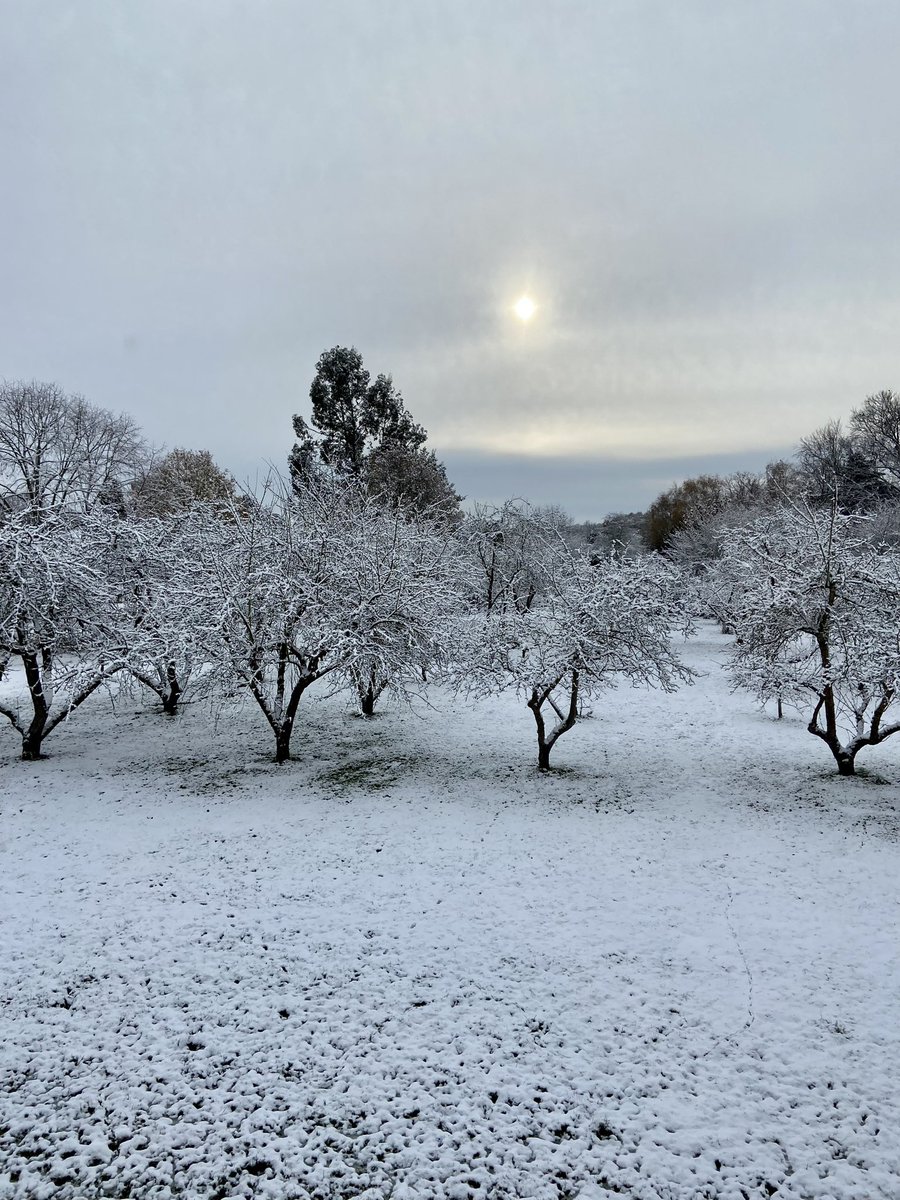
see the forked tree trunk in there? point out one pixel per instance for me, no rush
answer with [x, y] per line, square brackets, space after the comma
[844, 756]
[827, 702]
[165, 685]
[39, 678]
[567, 718]
[283, 726]
[369, 691]
[829, 734]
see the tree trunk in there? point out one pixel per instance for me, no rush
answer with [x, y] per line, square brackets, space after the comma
[32, 739]
[170, 698]
[369, 693]
[34, 734]
[844, 757]
[846, 763]
[534, 703]
[566, 719]
[283, 741]
[286, 727]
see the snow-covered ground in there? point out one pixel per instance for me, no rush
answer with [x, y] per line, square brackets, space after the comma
[407, 965]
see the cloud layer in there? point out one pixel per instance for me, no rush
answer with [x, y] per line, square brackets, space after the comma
[702, 199]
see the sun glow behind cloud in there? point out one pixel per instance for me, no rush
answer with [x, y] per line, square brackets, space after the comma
[628, 389]
[524, 308]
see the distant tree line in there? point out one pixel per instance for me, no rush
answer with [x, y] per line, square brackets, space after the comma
[856, 469]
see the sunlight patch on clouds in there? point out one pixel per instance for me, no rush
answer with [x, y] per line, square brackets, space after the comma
[653, 389]
[627, 442]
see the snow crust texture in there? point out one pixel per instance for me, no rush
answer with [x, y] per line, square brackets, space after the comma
[408, 966]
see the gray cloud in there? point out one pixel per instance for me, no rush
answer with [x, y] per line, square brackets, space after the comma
[199, 198]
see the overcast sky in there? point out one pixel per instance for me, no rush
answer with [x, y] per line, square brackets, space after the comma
[197, 197]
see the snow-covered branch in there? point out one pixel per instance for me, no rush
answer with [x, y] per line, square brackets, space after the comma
[814, 605]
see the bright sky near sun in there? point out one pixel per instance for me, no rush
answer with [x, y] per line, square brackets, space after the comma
[685, 252]
[524, 308]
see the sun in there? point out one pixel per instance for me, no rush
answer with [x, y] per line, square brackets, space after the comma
[524, 308]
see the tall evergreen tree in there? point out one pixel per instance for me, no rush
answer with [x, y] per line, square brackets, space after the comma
[362, 429]
[351, 416]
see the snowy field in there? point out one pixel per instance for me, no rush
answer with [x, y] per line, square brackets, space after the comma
[407, 965]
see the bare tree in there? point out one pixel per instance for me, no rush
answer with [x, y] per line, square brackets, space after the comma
[508, 550]
[155, 619]
[414, 479]
[836, 467]
[875, 427]
[59, 449]
[320, 583]
[784, 482]
[593, 623]
[178, 480]
[58, 616]
[404, 582]
[814, 605]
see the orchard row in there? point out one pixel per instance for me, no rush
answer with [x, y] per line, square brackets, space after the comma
[266, 596]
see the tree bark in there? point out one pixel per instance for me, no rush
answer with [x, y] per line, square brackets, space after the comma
[846, 763]
[283, 741]
[31, 741]
[170, 698]
[369, 693]
[285, 727]
[34, 734]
